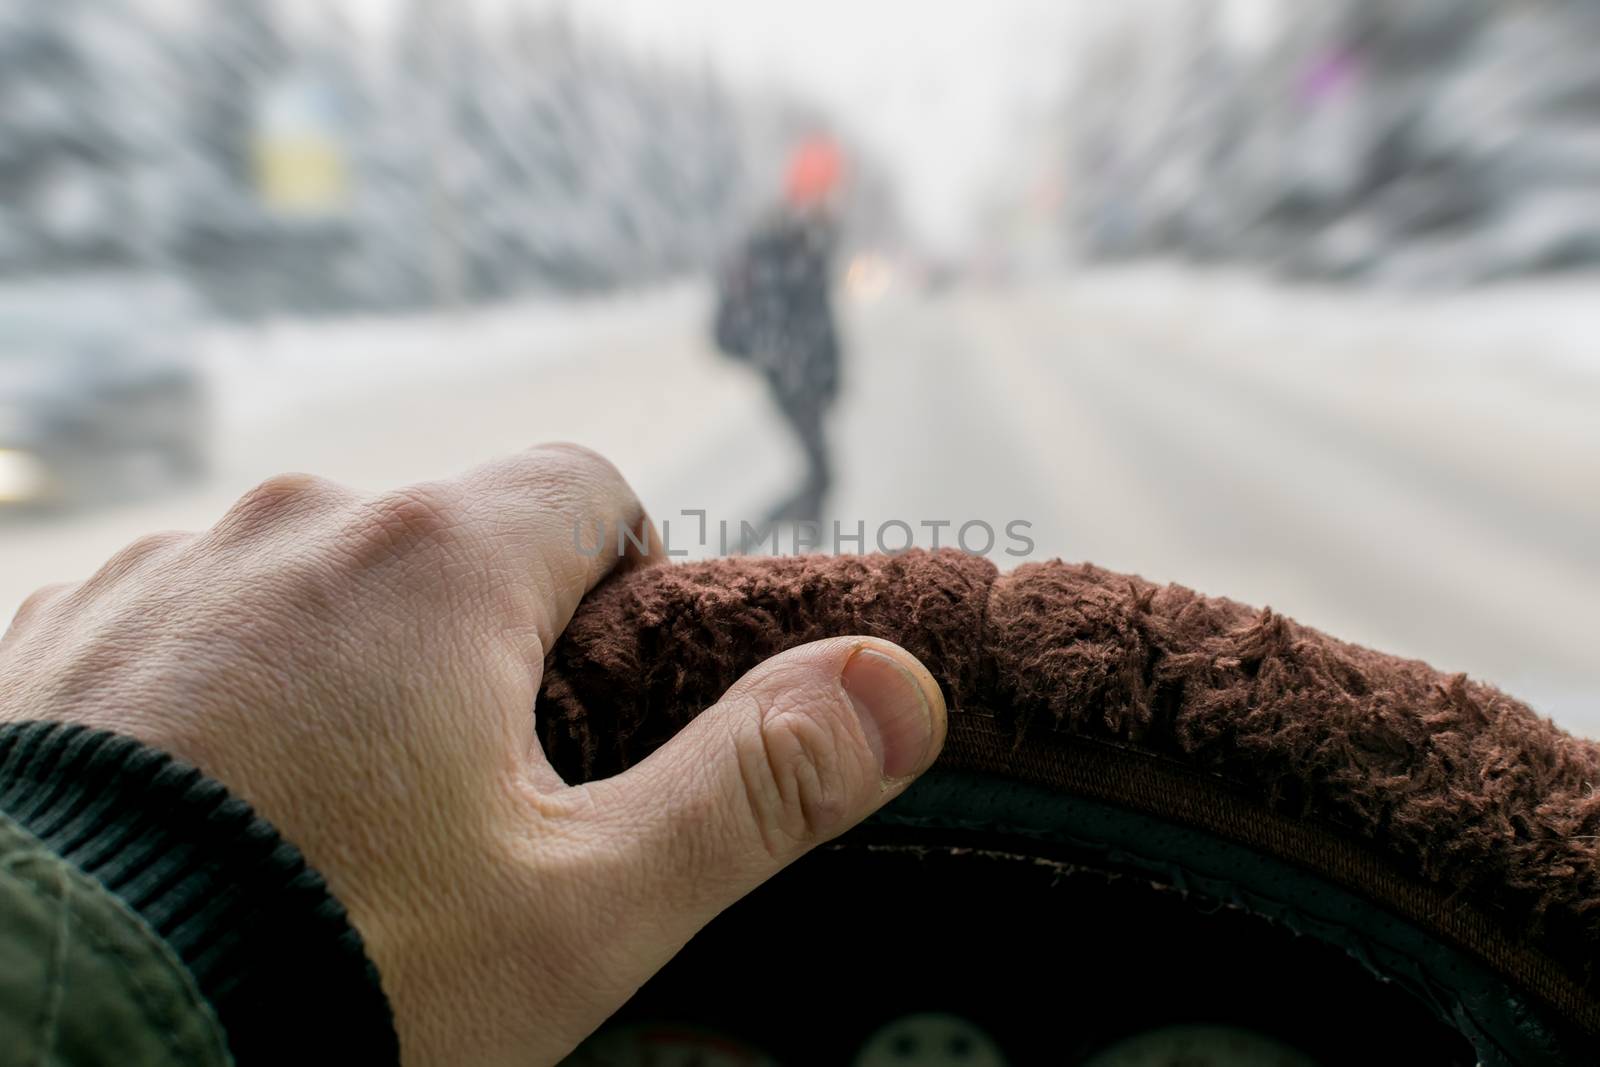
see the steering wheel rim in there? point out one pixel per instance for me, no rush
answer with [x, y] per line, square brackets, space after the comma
[1452, 824]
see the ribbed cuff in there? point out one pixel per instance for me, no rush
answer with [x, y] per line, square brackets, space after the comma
[268, 945]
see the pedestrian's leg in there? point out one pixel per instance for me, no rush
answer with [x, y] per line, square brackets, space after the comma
[819, 472]
[804, 416]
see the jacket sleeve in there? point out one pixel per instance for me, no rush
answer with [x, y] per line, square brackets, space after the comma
[148, 917]
[82, 979]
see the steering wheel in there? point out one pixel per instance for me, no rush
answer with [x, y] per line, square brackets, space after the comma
[1166, 828]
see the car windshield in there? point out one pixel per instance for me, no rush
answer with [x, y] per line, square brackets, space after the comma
[1296, 304]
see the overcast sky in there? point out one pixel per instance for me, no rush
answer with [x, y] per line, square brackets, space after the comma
[939, 87]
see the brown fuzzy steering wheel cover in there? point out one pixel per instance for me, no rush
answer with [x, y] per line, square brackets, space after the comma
[1439, 798]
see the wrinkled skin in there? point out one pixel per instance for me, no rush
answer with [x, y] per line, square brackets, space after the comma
[363, 670]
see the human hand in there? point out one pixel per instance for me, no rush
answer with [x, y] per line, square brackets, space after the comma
[363, 671]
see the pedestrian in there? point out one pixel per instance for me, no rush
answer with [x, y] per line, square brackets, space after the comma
[776, 311]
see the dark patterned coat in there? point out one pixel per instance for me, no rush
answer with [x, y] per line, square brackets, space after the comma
[775, 310]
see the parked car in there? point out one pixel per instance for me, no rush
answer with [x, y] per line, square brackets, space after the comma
[99, 389]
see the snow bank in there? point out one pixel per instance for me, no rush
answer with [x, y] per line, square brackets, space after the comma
[263, 372]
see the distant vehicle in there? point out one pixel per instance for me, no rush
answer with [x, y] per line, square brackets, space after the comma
[99, 389]
[938, 274]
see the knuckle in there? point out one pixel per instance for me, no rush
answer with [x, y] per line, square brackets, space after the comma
[278, 497]
[575, 472]
[401, 523]
[139, 551]
[797, 778]
[39, 602]
[578, 456]
[154, 544]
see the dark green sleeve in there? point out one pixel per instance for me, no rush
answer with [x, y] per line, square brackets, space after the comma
[83, 980]
[149, 916]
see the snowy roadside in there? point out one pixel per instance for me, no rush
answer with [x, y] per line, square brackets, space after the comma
[1546, 327]
[263, 372]
[1496, 387]
[383, 401]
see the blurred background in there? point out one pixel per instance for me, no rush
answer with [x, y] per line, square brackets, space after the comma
[1295, 304]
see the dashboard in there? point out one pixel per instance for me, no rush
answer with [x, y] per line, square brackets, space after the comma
[908, 955]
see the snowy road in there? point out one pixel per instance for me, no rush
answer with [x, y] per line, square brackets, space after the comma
[1422, 477]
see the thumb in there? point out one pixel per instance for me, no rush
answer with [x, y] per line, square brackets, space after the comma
[798, 751]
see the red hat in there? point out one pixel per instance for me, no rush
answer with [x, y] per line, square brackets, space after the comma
[815, 169]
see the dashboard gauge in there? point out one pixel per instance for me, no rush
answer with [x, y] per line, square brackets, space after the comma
[1200, 1046]
[665, 1046]
[930, 1039]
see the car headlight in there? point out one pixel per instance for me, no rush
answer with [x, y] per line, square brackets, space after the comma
[22, 476]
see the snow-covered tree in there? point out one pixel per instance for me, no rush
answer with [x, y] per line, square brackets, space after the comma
[303, 166]
[87, 136]
[1399, 140]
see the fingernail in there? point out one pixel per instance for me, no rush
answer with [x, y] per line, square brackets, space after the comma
[893, 708]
